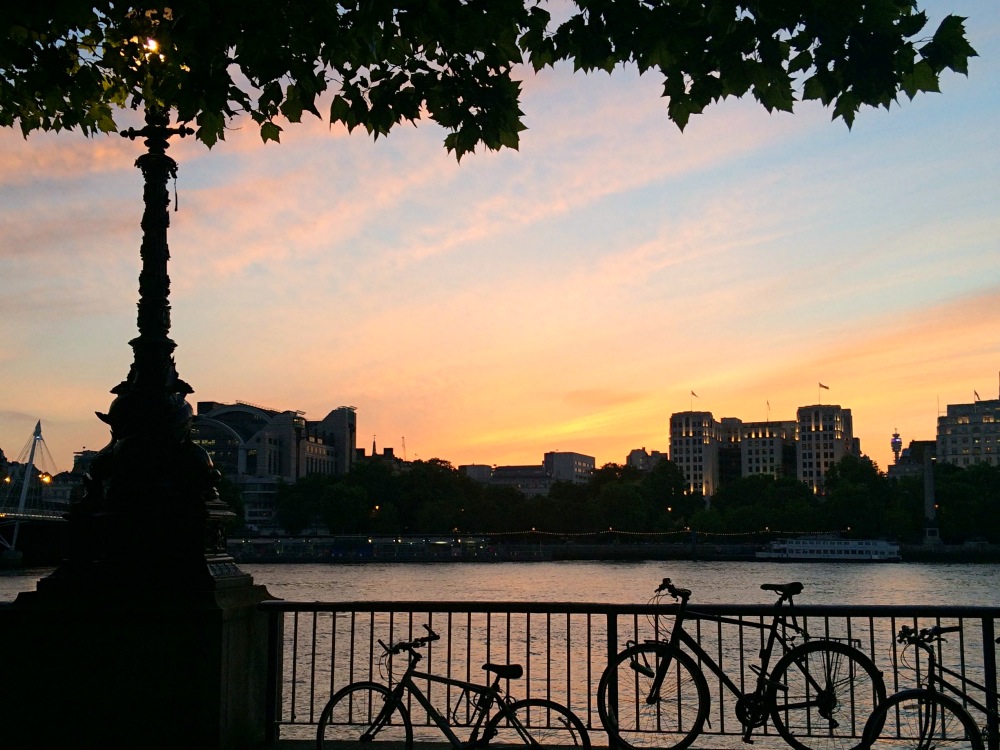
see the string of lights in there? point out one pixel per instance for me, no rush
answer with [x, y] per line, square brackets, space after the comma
[658, 534]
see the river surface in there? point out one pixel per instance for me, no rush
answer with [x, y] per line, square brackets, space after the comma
[611, 582]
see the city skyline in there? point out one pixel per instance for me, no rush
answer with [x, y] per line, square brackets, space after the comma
[567, 297]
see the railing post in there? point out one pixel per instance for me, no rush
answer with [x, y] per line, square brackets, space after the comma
[275, 641]
[612, 653]
[990, 682]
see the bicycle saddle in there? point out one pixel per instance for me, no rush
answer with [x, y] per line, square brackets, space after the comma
[785, 589]
[507, 671]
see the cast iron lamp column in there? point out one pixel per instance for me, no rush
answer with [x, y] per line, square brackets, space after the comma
[151, 495]
[148, 610]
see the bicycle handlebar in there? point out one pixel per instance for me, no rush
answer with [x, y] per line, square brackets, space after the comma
[924, 635]
[676, 593]
[401, 646]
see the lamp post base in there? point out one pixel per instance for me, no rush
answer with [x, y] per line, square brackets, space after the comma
[106, 660]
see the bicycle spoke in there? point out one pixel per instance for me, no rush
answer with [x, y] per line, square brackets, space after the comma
[537, 722]
[922, 720]
[824, 691]
[360, 713]
[635, 716]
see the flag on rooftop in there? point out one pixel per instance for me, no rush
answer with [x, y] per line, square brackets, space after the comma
[976, 394]
[695, 394]
[824, 387]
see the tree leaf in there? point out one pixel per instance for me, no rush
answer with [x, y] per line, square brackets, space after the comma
[269, 131]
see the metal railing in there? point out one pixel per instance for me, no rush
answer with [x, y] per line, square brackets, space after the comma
[316, 648]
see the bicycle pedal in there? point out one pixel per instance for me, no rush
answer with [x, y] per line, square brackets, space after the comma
[642, 669]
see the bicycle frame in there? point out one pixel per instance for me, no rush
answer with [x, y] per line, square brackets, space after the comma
[489, 696]
[777, 633]
[777, 624]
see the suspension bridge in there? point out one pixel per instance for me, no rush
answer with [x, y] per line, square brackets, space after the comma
[27, 494]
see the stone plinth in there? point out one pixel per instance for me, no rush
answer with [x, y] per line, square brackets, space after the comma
[125, 664]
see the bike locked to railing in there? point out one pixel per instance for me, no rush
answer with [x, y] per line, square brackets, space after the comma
[655, 693]
[364, 710]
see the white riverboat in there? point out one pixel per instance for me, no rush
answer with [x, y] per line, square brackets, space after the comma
[831, 549]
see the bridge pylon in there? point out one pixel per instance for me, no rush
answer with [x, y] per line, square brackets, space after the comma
[20, 498]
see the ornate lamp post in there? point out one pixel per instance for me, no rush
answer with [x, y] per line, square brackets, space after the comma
[148, 610]
[151, 496]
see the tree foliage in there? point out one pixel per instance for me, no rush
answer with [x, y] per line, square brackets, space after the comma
[376, 64]
[432, 497]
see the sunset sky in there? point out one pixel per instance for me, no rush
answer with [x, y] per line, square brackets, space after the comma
[569, 296]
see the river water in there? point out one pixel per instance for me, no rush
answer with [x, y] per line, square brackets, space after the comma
[611, 582]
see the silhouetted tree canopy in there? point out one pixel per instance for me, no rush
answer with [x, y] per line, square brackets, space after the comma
[433, 497]
[376, 64]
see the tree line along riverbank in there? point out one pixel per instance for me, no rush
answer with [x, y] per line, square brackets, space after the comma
[432, 497]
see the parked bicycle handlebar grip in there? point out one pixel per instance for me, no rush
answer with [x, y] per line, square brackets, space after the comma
[674, 591]
[431, 635]
[911, 635]
[933, 632]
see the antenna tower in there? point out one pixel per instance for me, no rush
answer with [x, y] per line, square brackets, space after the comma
[897, 445]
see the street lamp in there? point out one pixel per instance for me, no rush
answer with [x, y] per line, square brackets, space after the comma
[148, 609]
[151, 494]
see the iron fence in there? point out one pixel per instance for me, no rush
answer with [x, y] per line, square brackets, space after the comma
[316, 648]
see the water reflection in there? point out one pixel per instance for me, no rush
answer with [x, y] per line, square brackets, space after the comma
[633, 582]
[611, 582]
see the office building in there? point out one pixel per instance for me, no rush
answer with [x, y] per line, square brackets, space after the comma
[768, 448]
[257, 447]
[967, 434]
[568, 467]
[711, 453]
[694, 447]
[531, 479]
[825, 435]
[643, 460]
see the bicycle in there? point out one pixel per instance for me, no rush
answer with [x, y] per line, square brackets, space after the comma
[925, 717]
[655, 693]
[364, 711]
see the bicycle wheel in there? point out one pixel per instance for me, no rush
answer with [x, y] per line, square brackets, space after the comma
[357, 713]
[822, 693]
[635, 719]
[922, 720]
[536, 722]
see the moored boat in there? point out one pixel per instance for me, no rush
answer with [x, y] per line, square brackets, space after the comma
[830, 549]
